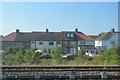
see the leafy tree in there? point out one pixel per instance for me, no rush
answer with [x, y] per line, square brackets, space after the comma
[44, 51]
[57, 53]
[102, 33]
[29, 56]
[111, 56]
[16, 58]
[19, 55]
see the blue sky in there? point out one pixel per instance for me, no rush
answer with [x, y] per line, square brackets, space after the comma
[88, 17]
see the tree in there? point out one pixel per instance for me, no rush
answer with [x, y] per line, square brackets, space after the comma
[102, 33]
[57, 53]
[19, 55]
[29, 56]
[16, 58]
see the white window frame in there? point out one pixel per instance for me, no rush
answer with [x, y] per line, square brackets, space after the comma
[41, 42]
[51, 42]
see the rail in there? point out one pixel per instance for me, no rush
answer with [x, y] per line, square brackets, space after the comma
[77, 72]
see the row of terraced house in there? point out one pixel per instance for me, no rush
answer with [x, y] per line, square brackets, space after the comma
[71, 41]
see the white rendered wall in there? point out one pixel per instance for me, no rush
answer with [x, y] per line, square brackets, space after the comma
[86, 43]
[107, 43]
[45, 45]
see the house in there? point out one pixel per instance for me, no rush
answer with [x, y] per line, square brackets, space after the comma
[1, 43]
[94, 36]
[107, 40]
[86, 44]
[71, 41]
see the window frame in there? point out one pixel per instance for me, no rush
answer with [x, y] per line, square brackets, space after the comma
[51, 42]
[41, 42]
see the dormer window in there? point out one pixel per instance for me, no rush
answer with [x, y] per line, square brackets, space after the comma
[70, 35]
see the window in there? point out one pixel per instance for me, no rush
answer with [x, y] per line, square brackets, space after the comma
[51, 43]
[104, 47]
[49, 50]
[82, 42]
[66, 42]
[65, 50]
[72, 50]
[70, 35]
[58, 42]
[19, 43]
[32, 42]
[112, 42]
[92, 51]
[41, 43]
[72, 42]
[26, 43]
[8, 43]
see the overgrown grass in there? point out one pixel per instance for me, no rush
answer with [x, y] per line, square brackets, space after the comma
[25, 57]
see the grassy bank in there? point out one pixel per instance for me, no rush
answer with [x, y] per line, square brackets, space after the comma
[23, 56]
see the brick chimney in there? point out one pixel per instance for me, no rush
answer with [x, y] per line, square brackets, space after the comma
[47, 30]
[17, 31]
[113, 30]
[76, 30]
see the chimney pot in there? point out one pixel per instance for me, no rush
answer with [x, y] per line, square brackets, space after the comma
[113, 30]
[17, 30]
[47, 30]
[76, 30]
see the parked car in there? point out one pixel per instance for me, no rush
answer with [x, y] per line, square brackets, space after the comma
[69, 56]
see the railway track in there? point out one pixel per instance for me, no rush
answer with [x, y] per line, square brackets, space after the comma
[60, 72]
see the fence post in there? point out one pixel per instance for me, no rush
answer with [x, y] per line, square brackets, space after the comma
[104, 75]
[72, 76]
[37, 76]
[4, 77]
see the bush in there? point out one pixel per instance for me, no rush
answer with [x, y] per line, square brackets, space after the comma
[57, 53]
[19, 55]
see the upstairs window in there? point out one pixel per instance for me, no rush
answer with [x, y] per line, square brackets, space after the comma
[51, 43]
[58, 43]
[70, 35]
[41, 43]
[19, 43]
[32, 42]
[8, 43]
[82, 42]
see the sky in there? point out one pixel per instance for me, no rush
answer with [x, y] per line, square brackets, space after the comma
[90, 18]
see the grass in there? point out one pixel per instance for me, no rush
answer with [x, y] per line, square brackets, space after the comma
[53, 62]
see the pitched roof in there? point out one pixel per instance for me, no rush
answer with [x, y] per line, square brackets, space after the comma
[44, 36]
[33, 36]
[94, 36]
[84, 37]
[107, 36]
[10, 37]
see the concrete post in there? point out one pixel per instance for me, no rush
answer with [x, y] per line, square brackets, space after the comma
[72, 76]
[4, 77]
[0, 76]
[37, 76]
[104, 75]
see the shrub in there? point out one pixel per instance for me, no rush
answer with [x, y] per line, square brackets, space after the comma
[57, 53]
